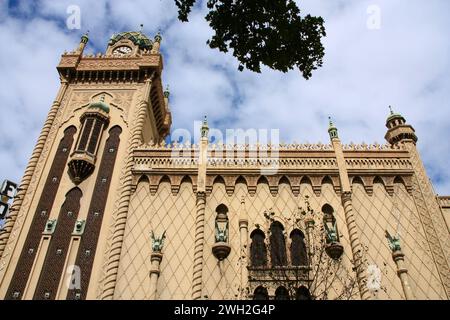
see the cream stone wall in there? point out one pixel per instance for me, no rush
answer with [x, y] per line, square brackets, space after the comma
[380, 212]
[161, 212]
[221, 280]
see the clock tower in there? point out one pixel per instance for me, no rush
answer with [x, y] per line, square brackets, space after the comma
[77, 186]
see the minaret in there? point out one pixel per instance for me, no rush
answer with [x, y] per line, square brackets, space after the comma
[403, 135]
[75, 192]
[197, 282]
[83, 43]
[346, 198]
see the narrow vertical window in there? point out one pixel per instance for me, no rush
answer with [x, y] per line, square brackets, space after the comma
[299, 255]
[258, 251]
[277, 245]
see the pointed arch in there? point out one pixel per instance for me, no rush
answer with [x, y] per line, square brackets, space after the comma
[165, 178]
[219, 179]
[241, 179]
[357, 180]
[186, 179]
[327, 209]
[399, 180]
[262, 180]
[378, 179]
[327, 179]
[306, 180]
[142, 179]
[284, 180]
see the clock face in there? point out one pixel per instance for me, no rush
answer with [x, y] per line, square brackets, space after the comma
[121, 51]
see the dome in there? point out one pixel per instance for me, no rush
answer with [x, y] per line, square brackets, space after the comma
[138, 38]
[393, 115]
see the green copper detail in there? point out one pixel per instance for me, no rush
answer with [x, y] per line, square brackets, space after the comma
[85, 37]
[137, 37]
[167, 92]
[393, 115]
[205, 128]
[158, 37]
[393, 241]
[100, 104]
[332, 130]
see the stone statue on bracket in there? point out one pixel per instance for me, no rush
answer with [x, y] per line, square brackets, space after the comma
[222, 233]
[157, 243]
[331, 232]
[394, 242]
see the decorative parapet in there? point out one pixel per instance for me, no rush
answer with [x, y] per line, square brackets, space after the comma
[102, 62]
[295, 163]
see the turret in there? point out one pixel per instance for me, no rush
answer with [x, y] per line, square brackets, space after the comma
[398, 129]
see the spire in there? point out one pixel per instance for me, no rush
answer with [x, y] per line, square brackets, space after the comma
[398, 129]
[157, 42]
[332, 130]
[158, 36]
[205, 128]
[83, 42]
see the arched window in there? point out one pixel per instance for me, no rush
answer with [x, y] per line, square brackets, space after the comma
[277, 245]
[282, 294]
[303, 294]
[299, 255]
[258, 251]
[260, 294]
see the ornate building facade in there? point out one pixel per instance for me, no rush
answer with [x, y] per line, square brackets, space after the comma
[107, 210]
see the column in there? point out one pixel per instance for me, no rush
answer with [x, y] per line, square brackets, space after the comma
[346, 198]
[243, 232]
[197, 282]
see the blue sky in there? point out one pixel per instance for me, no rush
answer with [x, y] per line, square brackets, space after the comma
[404, 63]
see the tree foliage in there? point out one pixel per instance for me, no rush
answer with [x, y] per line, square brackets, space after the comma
[268, 32]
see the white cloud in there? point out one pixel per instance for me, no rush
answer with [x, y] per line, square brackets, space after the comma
[405, 63]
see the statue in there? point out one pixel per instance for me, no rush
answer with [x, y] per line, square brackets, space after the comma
[221, 234]
[331, 233]
[157, 243]
[394, 242]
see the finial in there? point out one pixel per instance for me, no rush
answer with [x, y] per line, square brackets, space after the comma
[205, 128]
[390, 108]
[158, 36]
[167, 92]
[332, 130]
[142, 27]
[85, 37]
[102, 98]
